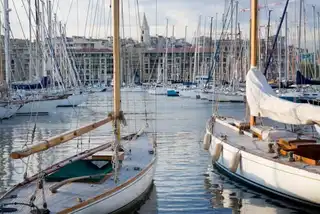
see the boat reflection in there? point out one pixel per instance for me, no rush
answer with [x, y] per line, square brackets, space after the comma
[226, 193]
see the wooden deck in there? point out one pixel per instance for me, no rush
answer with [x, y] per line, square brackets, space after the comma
[137, 157]
[246, 141]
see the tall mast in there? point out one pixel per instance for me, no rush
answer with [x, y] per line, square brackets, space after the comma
[184, 52]
[37, 38]
[49, 41]
[30, 41]
[299, 34]
[267, 40]
[279, 58]
[210, 51]
[7, 41]
[165, 75]
[116, 67]
[286, 49]
[254, 39]
[172, 59]
[43, 42]
[315, 41]
[1, 68]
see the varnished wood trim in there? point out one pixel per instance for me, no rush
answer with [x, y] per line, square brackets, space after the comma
[59, 139]
[107, 193]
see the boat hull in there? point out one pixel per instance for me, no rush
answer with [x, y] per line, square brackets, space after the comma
[124, 196]
[225, 97]
[158, 91]
[172, 93]
[189, 93]
[271, 176]
[73, 100]
[8, 110]
[39, 107]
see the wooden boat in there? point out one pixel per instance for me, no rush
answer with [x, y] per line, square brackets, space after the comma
[105, 179]
[278, 161]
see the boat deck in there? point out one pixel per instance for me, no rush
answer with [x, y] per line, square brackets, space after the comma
[74, 193]
[255, 146]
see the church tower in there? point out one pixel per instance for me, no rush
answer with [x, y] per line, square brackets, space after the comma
[145, 32]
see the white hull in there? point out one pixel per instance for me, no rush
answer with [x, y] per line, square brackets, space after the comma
[189, 93]
[258, 168]
[41, 107]
[158, 91]
[135, 178]
[7, 111]
[123, 196]
[132, 89]
[228, 97]
[73, 100]
[97, 89]
[206, 96]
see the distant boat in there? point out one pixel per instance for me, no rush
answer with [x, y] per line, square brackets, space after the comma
[172, 93]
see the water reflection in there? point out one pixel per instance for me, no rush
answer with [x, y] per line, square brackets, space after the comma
[242, 199]
[185, 181]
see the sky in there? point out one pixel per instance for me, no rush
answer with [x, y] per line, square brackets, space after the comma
[93, 18]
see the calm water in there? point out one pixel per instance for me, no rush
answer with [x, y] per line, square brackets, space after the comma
[185, 181]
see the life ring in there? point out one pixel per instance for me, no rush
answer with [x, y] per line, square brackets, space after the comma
[207, 141]
[235, 162]
[217, 152]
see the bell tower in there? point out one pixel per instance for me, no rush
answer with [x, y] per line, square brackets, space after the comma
[145, 32]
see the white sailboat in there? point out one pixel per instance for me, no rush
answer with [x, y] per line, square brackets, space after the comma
[279, 161]
[104, 179]
[8, 108]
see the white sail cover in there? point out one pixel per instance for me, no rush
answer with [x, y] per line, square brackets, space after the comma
[263, 102]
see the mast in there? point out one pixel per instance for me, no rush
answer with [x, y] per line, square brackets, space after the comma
[279, 59]
[210, 51]
[184, 52]
[318, 26]
[253, 46]
[43, 43]
[286, 49]
[299, 35]
[235, 48]
[50, 37]
[172, 58]
[267, 40]
[7, 41]
[314, 41]
[230, 78]
[116, 68]
[37, 38]
[1, 68]
[165, 76]
[30, 41]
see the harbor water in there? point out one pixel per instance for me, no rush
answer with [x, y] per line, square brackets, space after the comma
[185, 180]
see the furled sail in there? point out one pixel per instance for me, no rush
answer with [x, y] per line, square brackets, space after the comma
[263, 102]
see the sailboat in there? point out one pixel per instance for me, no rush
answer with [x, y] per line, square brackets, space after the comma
[280, 161]
[8, 107]
[104, 179]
